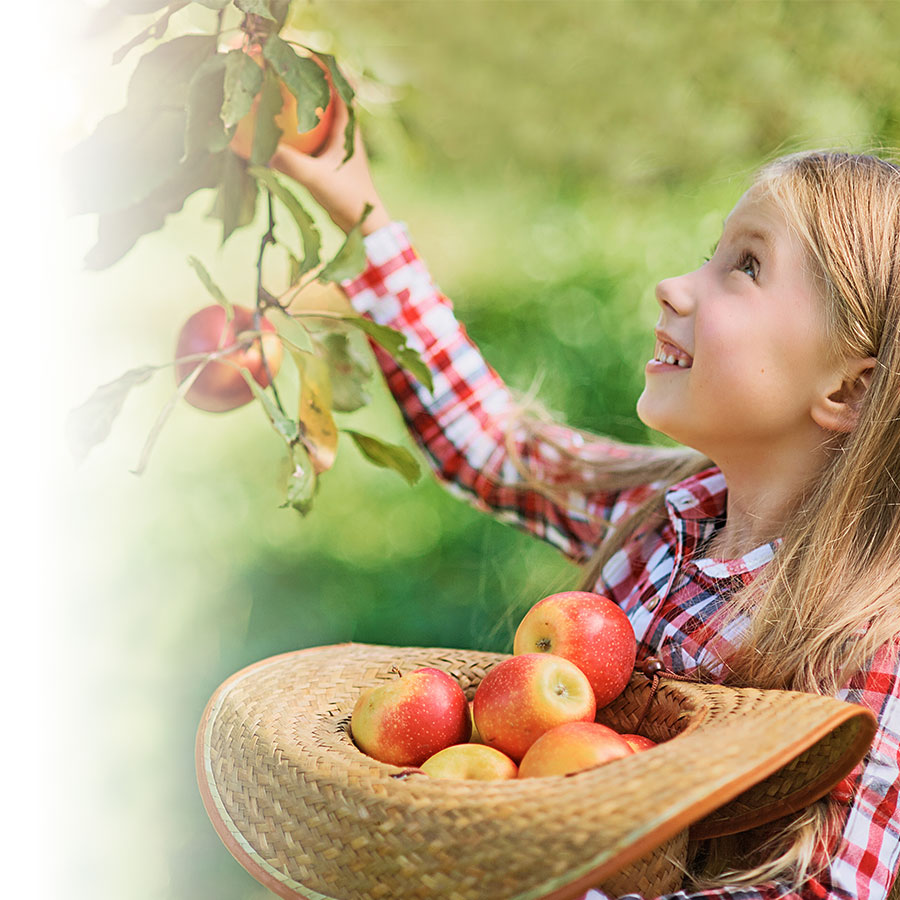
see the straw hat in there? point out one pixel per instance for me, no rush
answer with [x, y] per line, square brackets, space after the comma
[309, 815]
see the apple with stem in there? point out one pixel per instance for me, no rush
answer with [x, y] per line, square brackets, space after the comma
[589, 630]
[524, 696]
[405, 721]
[221, 386]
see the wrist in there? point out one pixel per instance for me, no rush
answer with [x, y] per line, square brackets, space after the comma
[375, 220]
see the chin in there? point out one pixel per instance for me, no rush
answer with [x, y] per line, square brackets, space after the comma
[661, 420]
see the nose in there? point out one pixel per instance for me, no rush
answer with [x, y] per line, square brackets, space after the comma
[675, 293]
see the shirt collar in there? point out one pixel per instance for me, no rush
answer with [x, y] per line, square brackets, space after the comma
[699, 503]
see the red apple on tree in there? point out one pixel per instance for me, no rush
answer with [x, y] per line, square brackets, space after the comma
[572, 747]
[589, 630]
[311, 141]
[404, 722]
[524, 696]
[221, 386]
[470, 761]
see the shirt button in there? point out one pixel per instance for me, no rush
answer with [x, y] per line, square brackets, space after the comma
[652, 603]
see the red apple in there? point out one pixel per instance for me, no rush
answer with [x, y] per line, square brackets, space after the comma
[404, 722]
[311, 141]
[524, 696]
[589, 630]
[220, 386]
[470, 761]
[638, 742]
[572, 747]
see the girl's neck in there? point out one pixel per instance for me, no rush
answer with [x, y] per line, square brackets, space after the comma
[762, 495]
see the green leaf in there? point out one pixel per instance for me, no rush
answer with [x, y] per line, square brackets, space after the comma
[296, 270]
[266, 131]
[280, 10]
[302, 481]
[243, 81]
[350, 259]
[211, 286]
[138, 7]
[346, 93]
[304, 79]
[349, 372]
[290, 330]
[286, 427]
[204, 131]
[119, 230]
[91, 423]
[256, 8]
[309, 234]
[235, 203]
[388, 456]
[129, 156]
[394, 342]
[163, 75]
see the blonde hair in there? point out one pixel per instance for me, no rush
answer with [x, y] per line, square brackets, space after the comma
[831, 596]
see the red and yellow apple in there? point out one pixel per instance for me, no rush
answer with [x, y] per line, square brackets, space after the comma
[470, 761]
[589, 630]
[405, 721]
[638, 742]
[221, 386]
[524, 696]
[311, 141]
[572, 747]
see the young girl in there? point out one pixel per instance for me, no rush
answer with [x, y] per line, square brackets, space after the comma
[767, 555]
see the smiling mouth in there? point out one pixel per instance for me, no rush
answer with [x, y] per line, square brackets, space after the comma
[671, 355]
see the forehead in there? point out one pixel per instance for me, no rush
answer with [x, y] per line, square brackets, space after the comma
[757, 216]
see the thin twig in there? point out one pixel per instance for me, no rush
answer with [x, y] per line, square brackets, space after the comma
[263, 299]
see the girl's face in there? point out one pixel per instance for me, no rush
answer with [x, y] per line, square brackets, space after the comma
[741, 350]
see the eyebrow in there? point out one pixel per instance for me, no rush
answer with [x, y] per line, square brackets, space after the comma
[758, 234]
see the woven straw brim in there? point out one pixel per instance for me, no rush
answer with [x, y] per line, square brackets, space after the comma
[309, 815]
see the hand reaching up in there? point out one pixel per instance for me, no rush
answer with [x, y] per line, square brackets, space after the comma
[341, 190]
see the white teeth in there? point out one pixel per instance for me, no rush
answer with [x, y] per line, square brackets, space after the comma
[670, 360]
[683, 363]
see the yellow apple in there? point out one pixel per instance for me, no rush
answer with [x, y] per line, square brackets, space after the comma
[470, 761]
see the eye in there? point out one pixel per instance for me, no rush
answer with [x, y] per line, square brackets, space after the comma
[749, 264]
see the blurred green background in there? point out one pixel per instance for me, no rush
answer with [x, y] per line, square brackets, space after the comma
[553, 160]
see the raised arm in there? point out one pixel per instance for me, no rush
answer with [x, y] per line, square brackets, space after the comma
[467, 426]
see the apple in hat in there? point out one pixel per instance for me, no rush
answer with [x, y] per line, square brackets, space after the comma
[470, 761]
[638, 742]
[524, 696]
[589, 630]
[403, 722]
[573, 747]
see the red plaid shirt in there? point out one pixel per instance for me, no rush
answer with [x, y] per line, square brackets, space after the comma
[661, 579]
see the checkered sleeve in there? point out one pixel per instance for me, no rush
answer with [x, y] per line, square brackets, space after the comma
[463, 425]
[865, 863]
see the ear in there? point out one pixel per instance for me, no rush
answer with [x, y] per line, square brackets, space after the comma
[838, 404]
